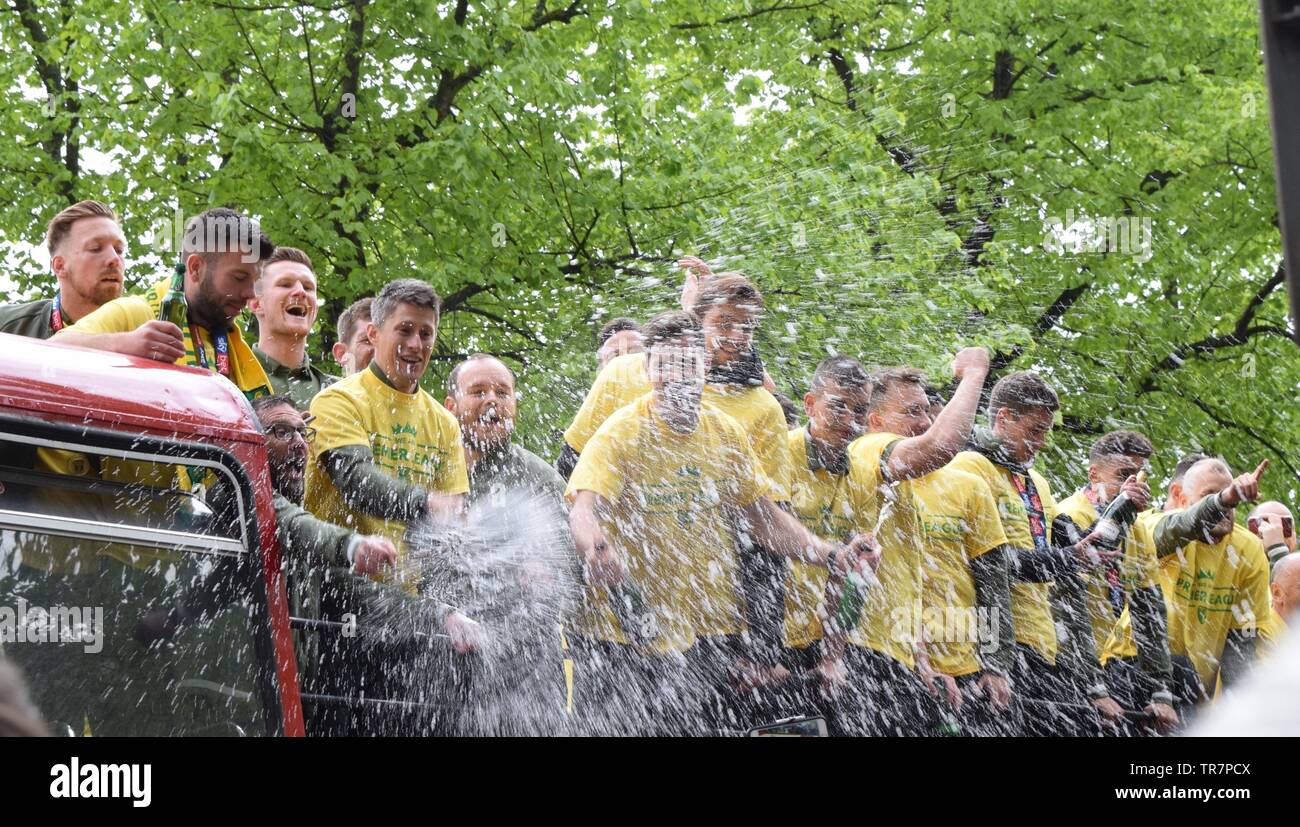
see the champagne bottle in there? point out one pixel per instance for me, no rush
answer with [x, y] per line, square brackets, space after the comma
[852, 599]
[1116, 520]
[174, 308]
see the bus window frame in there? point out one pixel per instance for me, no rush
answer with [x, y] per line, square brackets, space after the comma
[158, 538]
[138, 446]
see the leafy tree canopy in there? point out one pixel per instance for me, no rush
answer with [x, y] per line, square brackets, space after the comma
[1084, 187]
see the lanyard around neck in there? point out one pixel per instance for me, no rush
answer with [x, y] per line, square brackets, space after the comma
[56, 315]
[220, 343]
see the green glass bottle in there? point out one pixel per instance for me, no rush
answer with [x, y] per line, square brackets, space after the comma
[947, 726]
[174, 308]
[852, 599]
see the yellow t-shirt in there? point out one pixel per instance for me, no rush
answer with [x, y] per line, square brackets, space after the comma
[761, 418]
[624, 380]
[1138, 569]
[1120, 643]
[960, 519]
[674, 498]
[1271, 633]
[124, 315]
[1219, 588]
[129, 312]
[619, 383]
[891, 613]
[820, 500]
[1031, 608]
[410, 436]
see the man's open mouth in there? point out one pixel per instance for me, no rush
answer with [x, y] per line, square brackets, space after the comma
[296, 310]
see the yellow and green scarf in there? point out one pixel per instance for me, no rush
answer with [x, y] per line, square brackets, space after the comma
[245, 371]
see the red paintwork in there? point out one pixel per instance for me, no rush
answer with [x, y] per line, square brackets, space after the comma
[61, 383]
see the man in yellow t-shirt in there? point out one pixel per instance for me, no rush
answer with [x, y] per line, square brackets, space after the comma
[892, 682]
[386, 454]
[1132, 581]
[1221, 595]
[962, 598]
[1119, 655]
[1053, 700]
[620, 381]
[618, 337]
[222, 255]
[728, 308]
[836, 404]
[660, 494]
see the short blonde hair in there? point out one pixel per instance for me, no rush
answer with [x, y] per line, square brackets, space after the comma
[61, 224]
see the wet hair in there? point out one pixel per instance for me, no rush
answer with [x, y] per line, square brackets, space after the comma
[403, 291]
[1215, 462]
[357, 312]
[671, 326]
[726, 289]
[933, 396]
[454, 377]
[844, 371]
[1185, 464]
[613, 326]
[222, 230]
[789, 409]
[1022, 392]
[882, 379]
[1121, 444]
[61, 224]
[263, 404]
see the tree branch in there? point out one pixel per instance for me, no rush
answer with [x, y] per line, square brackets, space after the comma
[451, 83]
[1241, 332]
[1048, 320]
[750, 15]
[60, 146]
[1224, 422]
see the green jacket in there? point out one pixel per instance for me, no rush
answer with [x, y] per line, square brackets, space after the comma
[317, 558]
[307, 541]
[299, 384]
[311, 550]
[514, 468]
[1178, 529]
[31, 319]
